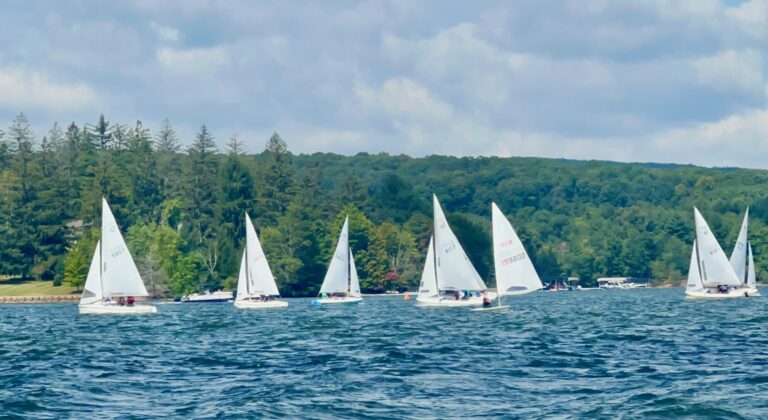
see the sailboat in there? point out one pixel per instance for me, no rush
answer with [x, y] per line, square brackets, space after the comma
[515, 274]
[742, 260]
[256, 287]
[449, 278]
[341, 284]
[710, 275]
[112, 274]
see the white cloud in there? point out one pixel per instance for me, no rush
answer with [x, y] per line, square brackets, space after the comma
[404, 99]
[195, 61]
[165, 33]
[21, 89]
[732, 71]
[752, 17]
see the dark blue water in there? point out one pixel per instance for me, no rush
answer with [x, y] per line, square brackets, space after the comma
[639, 353]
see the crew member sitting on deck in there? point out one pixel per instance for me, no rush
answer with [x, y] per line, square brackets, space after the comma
[131, 300]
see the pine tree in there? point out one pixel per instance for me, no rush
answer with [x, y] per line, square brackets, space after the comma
[201, 203]
[237, 198]
[146, 189]
[235, 145]
[23, 234]
[166, 139]
[277, 180]
[167, 146]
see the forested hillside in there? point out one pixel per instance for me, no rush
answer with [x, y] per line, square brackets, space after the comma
[181, 208]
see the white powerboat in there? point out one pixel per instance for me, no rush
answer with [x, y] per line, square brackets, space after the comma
[208, 297]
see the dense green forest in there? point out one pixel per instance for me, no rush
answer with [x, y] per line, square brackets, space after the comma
[181, 209]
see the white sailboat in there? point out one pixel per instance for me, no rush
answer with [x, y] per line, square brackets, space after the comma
[341, 284]
[710, 275]
[742, 261]
[448, 274]
[256, 287]
[515, 273]
[112, 274]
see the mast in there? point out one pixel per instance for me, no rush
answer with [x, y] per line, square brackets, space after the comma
[247, 271]
[698, 261]
[101, 263]
[349, 267]
[434, 263]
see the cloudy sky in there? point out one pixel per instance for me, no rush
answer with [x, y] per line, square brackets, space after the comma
[681, 81]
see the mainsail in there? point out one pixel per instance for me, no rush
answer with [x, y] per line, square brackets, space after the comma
[515, 274]
[454, 269]
[714, 267]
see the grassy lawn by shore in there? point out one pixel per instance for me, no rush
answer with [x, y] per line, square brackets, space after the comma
[15, 287]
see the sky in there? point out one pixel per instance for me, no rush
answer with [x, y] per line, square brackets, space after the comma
[681, 81]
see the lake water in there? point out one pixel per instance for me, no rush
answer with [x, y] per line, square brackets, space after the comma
[638, 353]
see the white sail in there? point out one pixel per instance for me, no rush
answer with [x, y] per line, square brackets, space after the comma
[242, 281]
[751, 280]
[92, 290]
[428, 285]
[715, 269]
[515, 274]
[694, 278]
[337, 277]
[260, 276]
[739, 254]
[354, 281]
[454, 269]
[120, 277]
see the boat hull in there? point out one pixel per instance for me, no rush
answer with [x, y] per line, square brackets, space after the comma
[337, 301]
[709, 294]
[255, 304]
[449, 302]
[99, 309]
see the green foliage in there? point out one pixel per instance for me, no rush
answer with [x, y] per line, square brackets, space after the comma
[184, 211]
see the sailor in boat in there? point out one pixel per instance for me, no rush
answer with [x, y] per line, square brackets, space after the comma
[486, 299]
[121, 301]
[131, 300]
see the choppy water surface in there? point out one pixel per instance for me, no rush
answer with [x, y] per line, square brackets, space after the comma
[593, 354]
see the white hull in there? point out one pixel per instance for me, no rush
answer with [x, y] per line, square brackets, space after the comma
[98, 308]
[450, 302]
[713, 294]
[752, 291]
[255, 304]
[335, 301]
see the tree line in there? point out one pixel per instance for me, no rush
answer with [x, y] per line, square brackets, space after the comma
[182, 209]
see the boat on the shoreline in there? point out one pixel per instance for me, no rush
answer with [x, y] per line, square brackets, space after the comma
[209, 297]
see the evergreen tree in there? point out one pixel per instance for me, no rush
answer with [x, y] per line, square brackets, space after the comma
[22, 236]
[201, 204]
[237, 198]
[277, 180]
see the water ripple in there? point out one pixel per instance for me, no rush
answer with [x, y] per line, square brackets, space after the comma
[643, 353]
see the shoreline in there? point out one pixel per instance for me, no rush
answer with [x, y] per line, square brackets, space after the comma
[39, 299]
